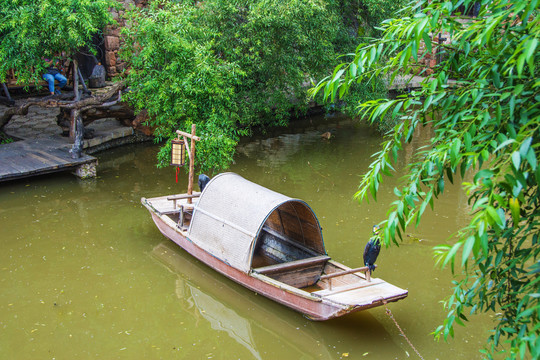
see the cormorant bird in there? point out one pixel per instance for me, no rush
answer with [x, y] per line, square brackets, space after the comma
[372, 249]
[203, 180]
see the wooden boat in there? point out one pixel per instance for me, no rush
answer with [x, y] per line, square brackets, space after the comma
[270, 243]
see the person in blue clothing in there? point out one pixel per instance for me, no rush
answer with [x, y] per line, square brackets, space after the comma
[52, 74]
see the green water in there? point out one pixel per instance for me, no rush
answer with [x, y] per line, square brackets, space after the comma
[85, 274]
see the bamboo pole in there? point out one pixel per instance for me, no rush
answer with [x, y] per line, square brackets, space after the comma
[192, 159]
[191, 136]
[187, 142]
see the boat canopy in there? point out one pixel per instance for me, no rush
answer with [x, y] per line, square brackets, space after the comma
[234, 217]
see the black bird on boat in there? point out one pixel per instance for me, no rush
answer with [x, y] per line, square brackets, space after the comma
[372, 249]
[203, 180]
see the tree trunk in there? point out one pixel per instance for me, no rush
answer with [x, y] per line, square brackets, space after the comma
[121, 111]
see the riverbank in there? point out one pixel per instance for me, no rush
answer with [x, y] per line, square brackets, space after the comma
[34, 144]
[41, 123]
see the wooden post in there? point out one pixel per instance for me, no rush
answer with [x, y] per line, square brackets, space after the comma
[191, 156]
[73, 124]
[6, 91]
[73, 128]
[191, 163]
[78, 130]
[76, 80]
[85, 89]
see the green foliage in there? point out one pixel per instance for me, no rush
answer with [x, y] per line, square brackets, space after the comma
[482, 104]
[229, 66]
[374, 12]
[33, 29]
[175, 76]
[4, 138]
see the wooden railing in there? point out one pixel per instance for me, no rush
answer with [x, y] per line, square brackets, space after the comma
[363, 269]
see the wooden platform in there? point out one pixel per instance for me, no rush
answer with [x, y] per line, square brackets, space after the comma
[26, 158]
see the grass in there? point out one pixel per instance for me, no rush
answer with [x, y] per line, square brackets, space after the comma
[5, 139]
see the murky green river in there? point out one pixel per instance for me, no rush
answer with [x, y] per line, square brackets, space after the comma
[85, 274]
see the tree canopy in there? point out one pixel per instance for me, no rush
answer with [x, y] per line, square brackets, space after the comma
[230, 66]
[33, 29]
[482, 104]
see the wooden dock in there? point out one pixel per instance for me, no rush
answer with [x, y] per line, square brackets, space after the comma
[33, 157]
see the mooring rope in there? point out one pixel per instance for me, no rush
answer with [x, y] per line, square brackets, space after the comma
[389, 313]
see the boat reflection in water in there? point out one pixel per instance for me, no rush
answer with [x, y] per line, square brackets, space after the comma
[258, 324]
[235, 310]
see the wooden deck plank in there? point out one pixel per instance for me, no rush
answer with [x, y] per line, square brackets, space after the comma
[369, 294]
[339, 289]
[42, 158]
[14, 162]
[32, 162]
[10, 168]
[28, 163]
[165, 206]
[53, 155]
[34, 157]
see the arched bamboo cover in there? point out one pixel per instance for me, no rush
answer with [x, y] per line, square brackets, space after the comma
[232, 211]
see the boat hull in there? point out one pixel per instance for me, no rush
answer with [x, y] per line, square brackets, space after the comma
[315, 308]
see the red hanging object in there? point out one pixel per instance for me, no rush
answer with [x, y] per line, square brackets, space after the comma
[177, 171]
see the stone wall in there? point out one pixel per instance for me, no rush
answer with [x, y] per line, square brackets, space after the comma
[428, 60]
[111, 38]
